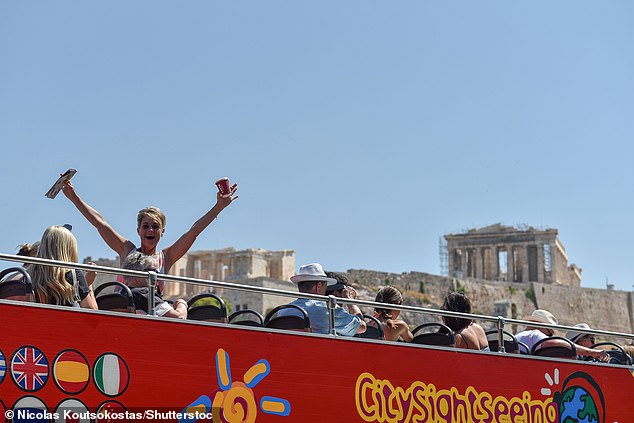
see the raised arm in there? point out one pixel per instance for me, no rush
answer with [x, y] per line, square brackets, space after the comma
[600, 355]
[351, 293]
[119, 244]
[184, 243]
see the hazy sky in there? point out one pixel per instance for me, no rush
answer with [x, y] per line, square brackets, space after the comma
[359, 132]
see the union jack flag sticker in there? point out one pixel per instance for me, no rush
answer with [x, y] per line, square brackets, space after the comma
[29, 368]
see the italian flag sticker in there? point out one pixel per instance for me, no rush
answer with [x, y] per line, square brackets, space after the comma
[111, 374]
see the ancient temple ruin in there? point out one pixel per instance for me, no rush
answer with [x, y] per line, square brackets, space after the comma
[231, 265]
[505, 253]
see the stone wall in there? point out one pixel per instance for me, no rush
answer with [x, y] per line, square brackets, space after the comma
[256, 301]
[604, 309]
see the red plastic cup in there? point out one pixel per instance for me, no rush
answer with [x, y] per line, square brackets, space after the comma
[223, 186]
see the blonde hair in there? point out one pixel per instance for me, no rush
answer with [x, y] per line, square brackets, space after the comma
[49, 282]
[153, 213]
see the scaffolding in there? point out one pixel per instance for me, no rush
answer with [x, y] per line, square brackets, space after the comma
[443, 254]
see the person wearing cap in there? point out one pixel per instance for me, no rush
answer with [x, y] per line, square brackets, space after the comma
[584, 341]
[579, 338]
[532, 334]
[311, 279]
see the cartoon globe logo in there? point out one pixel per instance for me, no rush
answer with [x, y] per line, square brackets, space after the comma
[581, 400]
[577, 406]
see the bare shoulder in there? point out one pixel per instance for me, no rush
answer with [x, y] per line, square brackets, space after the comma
[477, 329]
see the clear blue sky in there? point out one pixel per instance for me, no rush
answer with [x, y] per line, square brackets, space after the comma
[359, 131]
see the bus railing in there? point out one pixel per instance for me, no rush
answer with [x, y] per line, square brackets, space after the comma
[332, 301]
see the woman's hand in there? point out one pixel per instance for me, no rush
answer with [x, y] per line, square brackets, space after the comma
[69, 190]
[90, 275]
[224, 200]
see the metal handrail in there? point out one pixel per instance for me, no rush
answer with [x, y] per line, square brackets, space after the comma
[331, 301]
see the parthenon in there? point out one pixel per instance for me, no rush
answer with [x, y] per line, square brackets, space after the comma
[505, 253]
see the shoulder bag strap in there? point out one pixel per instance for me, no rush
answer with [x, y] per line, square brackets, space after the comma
[75, 286]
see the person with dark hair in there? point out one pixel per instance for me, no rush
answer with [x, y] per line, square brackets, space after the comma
[468, 334]
[341, 287]
[28, 250]
[393, 327]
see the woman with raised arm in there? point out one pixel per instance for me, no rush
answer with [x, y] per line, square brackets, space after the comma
[150, 227]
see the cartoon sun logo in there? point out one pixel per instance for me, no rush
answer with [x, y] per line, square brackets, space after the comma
[235, 402]
[552, 380]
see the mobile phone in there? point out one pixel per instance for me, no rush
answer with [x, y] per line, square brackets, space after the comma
[57, 186]
[223, 186]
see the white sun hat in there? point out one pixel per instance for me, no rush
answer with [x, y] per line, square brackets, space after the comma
[312, 272]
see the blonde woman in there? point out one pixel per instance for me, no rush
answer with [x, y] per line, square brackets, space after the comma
[59, 285]
[150, 228]
[393, 327]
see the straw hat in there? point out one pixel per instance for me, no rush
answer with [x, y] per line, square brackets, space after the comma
[542, 316]
[573, 335]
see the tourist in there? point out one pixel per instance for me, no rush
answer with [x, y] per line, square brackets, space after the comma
[338, 288]
[28, 250]
[584, 339]
[150, 228]
[393, 327]
[140, 292]
[531, 335]
[59, 285]
[468, 334]
[311, 279]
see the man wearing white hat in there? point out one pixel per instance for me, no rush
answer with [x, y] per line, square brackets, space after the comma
[532, 334]
[311, 279]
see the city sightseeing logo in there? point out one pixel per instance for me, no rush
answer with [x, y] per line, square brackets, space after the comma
[235, 402]
[579, 400]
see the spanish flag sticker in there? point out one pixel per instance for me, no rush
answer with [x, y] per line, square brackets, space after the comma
[71, 372]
